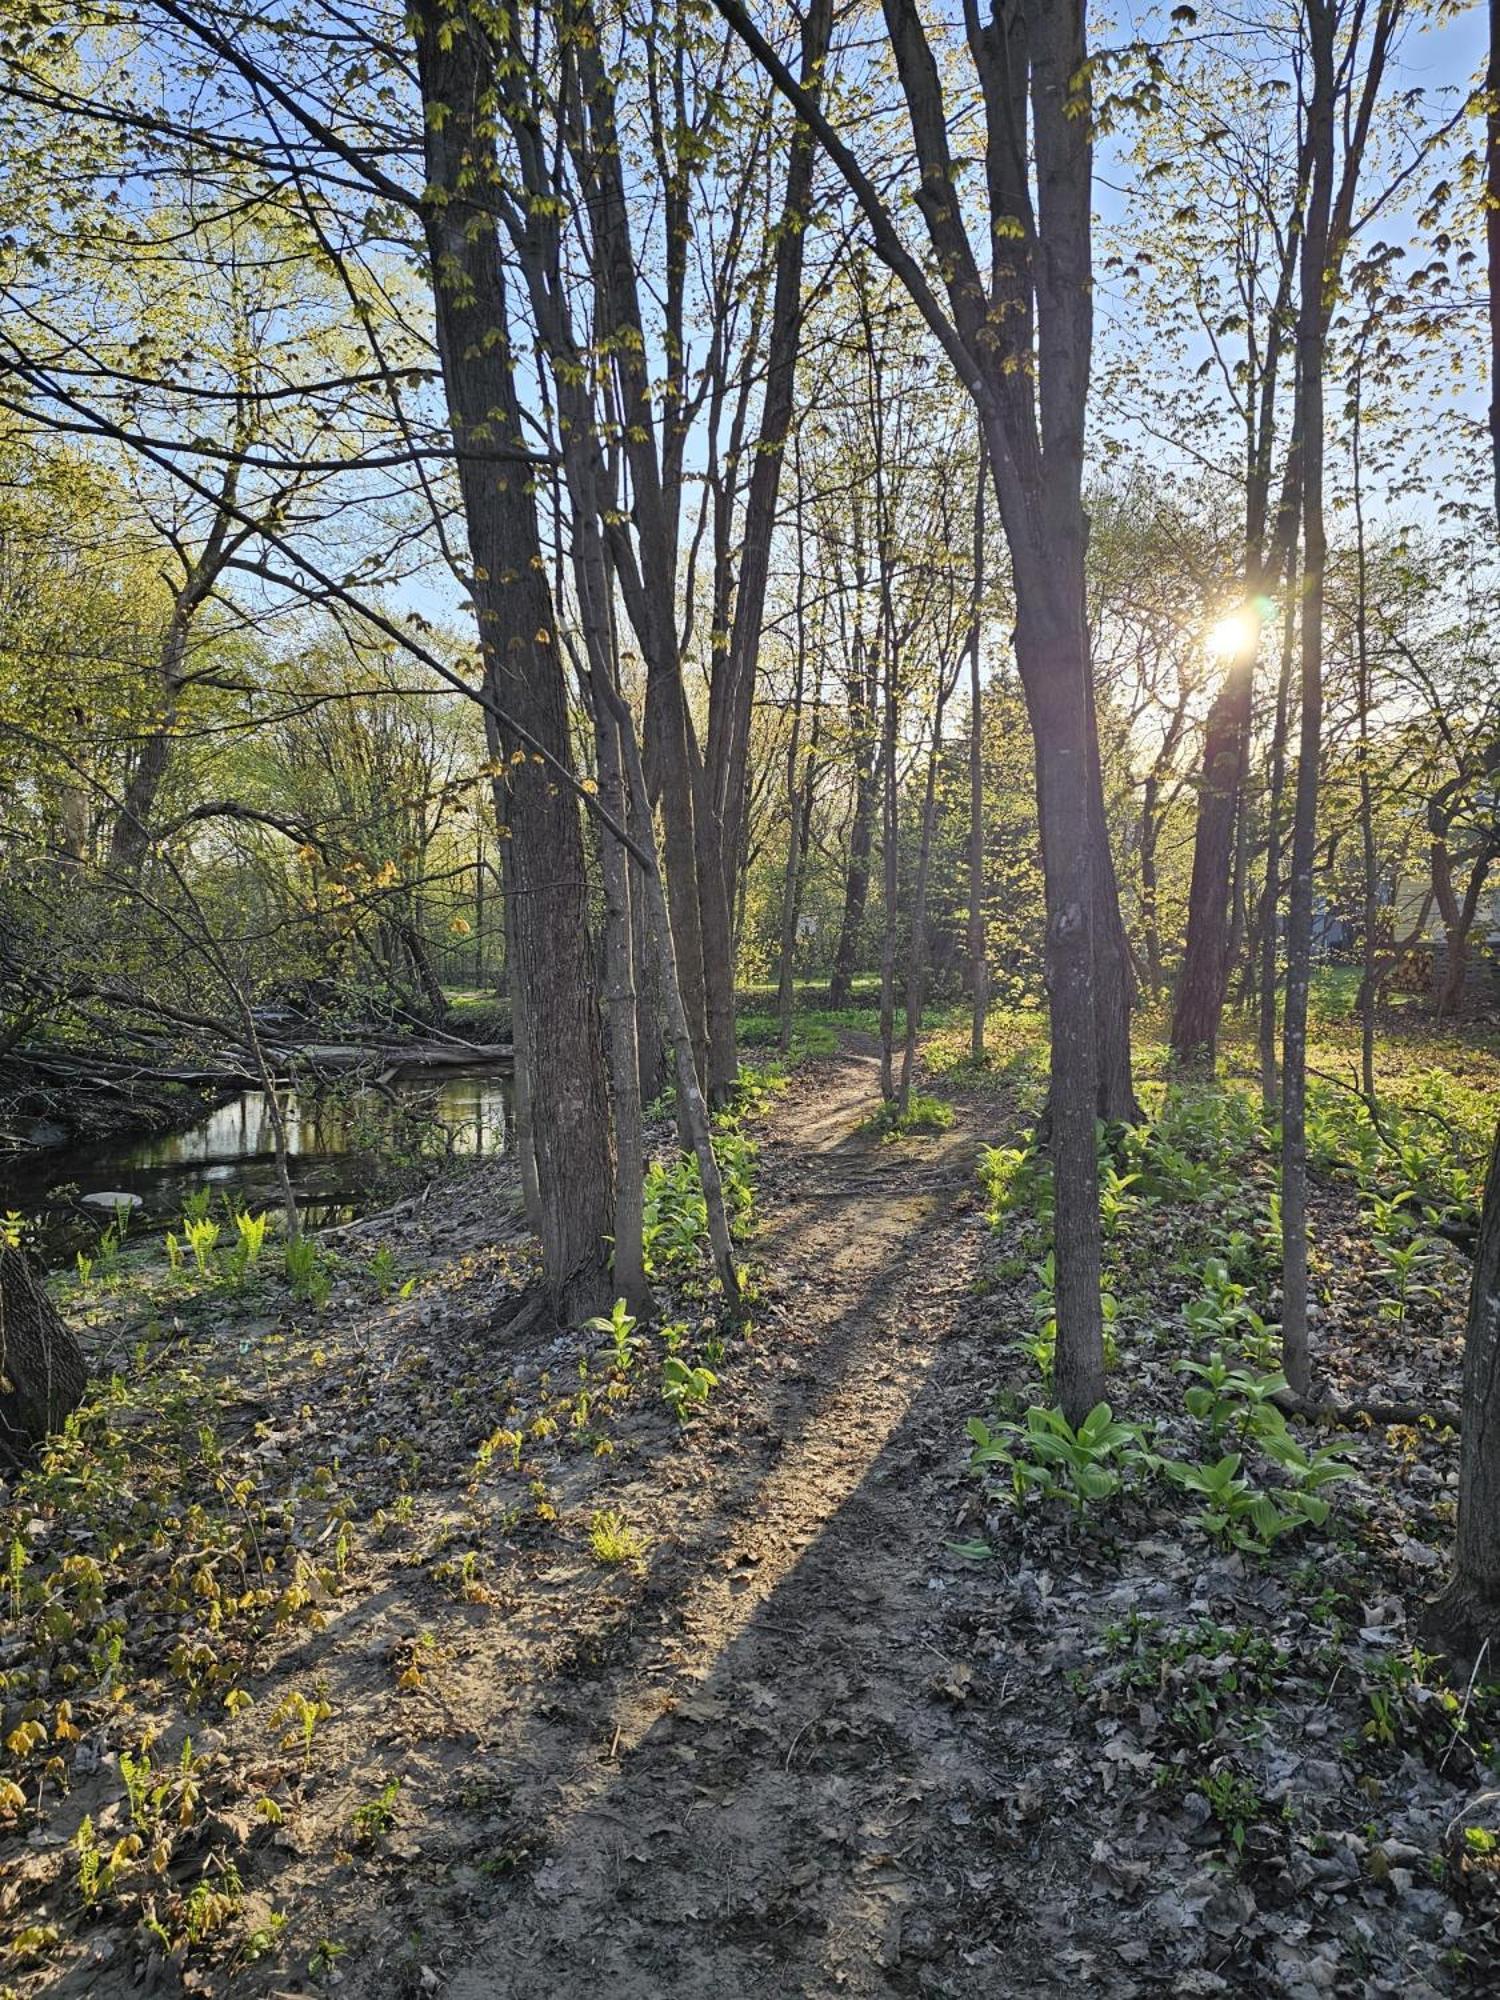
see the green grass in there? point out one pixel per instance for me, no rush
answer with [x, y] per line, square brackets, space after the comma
[922, 1114]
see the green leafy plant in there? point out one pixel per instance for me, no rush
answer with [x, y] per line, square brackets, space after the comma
[307, 1269]
[1227, 1397]
[685, 1386]
[304, 1713]
[1241, 1515]
[251, 1230]
[1046, 1456]
[375, 1818]
[202, 1234]
[619, 1326]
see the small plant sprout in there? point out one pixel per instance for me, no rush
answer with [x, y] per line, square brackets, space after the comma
[252, 1235]
[685, 1386]
[612, 1539]
[303, 1713]
[202, 1234]
[376, 1816]
[382, 1269]
[619, 1326]
[307, 1270]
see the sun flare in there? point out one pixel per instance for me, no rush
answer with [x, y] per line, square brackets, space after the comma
[1234, 636]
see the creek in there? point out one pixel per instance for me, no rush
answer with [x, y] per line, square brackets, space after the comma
[346, 1148]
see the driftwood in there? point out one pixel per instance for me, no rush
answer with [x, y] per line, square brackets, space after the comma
[42, 1375]
[382, 1059]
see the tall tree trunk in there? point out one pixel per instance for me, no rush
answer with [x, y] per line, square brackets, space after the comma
[552, 962]
[916, 961]
[1467, 1615]
[796, 828]
[856, 886]
[1369, 984]
[1295, 1357]
[1199, 999]
[729, 714]
[649, 590]
[1113, 980]
[889, 865]
[592, 587]
[979, 958]
[1270, 901]
[692, 1105]
[520, 1044]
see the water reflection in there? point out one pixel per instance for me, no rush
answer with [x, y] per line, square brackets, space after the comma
[341, 1146]
[471, 1109]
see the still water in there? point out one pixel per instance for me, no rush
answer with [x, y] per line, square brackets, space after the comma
[341, 1149]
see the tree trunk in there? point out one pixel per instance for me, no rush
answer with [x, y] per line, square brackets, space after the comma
[692, 1106]
[729, 715]
[1368, 985]
[856, 887]
[1199, 1000]
[1113, 980]
[42, 1376]
[520, 1043]
[1468, 1612]
[649, 588]
[1150, 920]
[592, 585]
[890, 872]
[1295, 1358]
[795, 829]
[979, 961]
[1270, 901]
[552, 966]
[1466, 1617]
[916, 962]
[1055, 677]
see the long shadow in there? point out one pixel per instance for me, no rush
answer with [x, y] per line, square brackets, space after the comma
[746, 1806]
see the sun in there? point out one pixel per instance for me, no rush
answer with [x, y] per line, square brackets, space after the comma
[1235, 636]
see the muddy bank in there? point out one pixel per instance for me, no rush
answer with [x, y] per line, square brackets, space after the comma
[42, 1117]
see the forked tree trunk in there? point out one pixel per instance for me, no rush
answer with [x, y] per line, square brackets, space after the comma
[42, 1376]
[552, 962]
[729, 716]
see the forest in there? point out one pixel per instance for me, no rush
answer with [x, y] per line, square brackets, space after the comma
[749, 998]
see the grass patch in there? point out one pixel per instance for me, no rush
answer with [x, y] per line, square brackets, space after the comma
[613, 1541]
[922, 1114]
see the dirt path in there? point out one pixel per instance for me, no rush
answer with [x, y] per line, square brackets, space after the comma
[772, 1792]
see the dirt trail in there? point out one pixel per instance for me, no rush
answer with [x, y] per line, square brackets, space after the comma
[773, 1791]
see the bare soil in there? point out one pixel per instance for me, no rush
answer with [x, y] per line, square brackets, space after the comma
[799, 1746]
